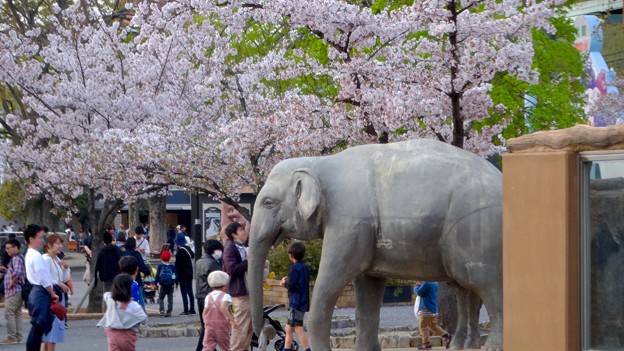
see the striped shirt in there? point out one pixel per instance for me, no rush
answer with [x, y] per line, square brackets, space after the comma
[16, 272]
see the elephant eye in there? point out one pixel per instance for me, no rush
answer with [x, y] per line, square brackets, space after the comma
[268, 203]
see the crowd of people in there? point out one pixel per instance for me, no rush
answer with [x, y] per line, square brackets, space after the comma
[40, 279]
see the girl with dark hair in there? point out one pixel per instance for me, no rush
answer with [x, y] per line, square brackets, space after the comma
[123, 315]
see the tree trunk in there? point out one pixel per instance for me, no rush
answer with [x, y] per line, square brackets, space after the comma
[447, 307]
[98, 225]
[158, 221]
[133, 217]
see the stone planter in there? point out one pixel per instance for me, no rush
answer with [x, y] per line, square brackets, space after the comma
[277, 294]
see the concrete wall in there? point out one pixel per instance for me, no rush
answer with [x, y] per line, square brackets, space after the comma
[541, 252]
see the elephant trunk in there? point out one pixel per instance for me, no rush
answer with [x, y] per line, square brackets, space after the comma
[258, 251]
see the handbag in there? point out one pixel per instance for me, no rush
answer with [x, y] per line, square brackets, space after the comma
[59, 310]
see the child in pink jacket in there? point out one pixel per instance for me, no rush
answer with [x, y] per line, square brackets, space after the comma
[218, 318]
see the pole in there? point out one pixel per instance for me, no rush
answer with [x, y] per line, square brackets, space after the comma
[197, 227]
[89, 288]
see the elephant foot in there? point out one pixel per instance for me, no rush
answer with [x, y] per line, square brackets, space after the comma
[457, 344]
[367, 346]
[493, 345]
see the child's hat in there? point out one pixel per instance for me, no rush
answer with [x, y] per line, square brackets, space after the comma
[218, 279]
[165, 256]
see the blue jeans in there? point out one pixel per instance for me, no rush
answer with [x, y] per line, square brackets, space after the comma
[186, 288]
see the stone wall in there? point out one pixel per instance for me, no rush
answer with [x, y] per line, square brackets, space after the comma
[277, 294]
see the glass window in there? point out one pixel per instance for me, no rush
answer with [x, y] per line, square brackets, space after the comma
[603, 252]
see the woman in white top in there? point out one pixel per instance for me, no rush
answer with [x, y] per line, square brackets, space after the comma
[59, 275]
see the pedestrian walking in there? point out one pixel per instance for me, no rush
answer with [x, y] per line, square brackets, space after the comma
[59, 275]
[143, 268]
[298, 284]
[208, 263]
[14, 279]
[130, 266]
[42, 293]
[235, 264]
[142, 244]
[166, 279]
[106, 265]
[217, 315]
[123, 315]
[184, 267]
[428, 315]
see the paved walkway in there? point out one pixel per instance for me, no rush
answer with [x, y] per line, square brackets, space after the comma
[85, 335]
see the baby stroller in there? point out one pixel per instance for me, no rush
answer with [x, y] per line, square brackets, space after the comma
[149, 290]
[279, 331]
[149, 284]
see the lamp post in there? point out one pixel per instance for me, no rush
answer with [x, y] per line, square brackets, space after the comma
[197, 226]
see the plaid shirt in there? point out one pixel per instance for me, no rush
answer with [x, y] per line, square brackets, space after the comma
[16, 269]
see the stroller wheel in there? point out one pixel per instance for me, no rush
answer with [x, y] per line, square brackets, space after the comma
[279, 345]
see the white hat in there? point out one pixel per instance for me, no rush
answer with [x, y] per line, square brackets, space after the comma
[218, 279]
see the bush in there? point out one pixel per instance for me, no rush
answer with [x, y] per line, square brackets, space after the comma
[280, 263]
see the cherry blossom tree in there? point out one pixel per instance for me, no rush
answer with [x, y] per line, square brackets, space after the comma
[609, 107]
[419, 70]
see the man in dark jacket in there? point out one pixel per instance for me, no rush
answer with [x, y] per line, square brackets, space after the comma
[235, 264]
[209, 263]
[184, 266]
[106, 266]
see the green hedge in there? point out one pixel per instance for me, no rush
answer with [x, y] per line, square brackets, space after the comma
[280, 263]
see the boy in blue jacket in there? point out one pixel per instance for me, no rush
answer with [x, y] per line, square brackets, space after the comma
[298, 285]
[428, 314]
[166, 278]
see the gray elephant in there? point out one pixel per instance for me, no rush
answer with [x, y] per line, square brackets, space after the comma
[418, 209]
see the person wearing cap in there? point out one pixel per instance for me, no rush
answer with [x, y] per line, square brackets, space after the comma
[184, 266]
[218, 318]
[166, 278]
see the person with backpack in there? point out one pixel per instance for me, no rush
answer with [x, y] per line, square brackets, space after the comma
[166, 278]
[42, 293]
[14, 279]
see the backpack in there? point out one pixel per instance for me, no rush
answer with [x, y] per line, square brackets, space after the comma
[166, 276]
[26, 286]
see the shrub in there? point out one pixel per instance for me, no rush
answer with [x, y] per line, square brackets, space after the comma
[280, 263]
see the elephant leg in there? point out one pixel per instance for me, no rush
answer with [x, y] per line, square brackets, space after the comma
[368, 299]
[461, 329]
[494, 304]
[336, 270]
[473, 304]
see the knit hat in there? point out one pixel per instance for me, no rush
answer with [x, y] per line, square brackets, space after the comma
[165, 256]
[218, 279]
[180, 240]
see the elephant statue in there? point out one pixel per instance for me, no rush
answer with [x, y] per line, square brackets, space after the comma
[418, 209]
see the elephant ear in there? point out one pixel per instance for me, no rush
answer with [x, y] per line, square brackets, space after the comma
[307, 192]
